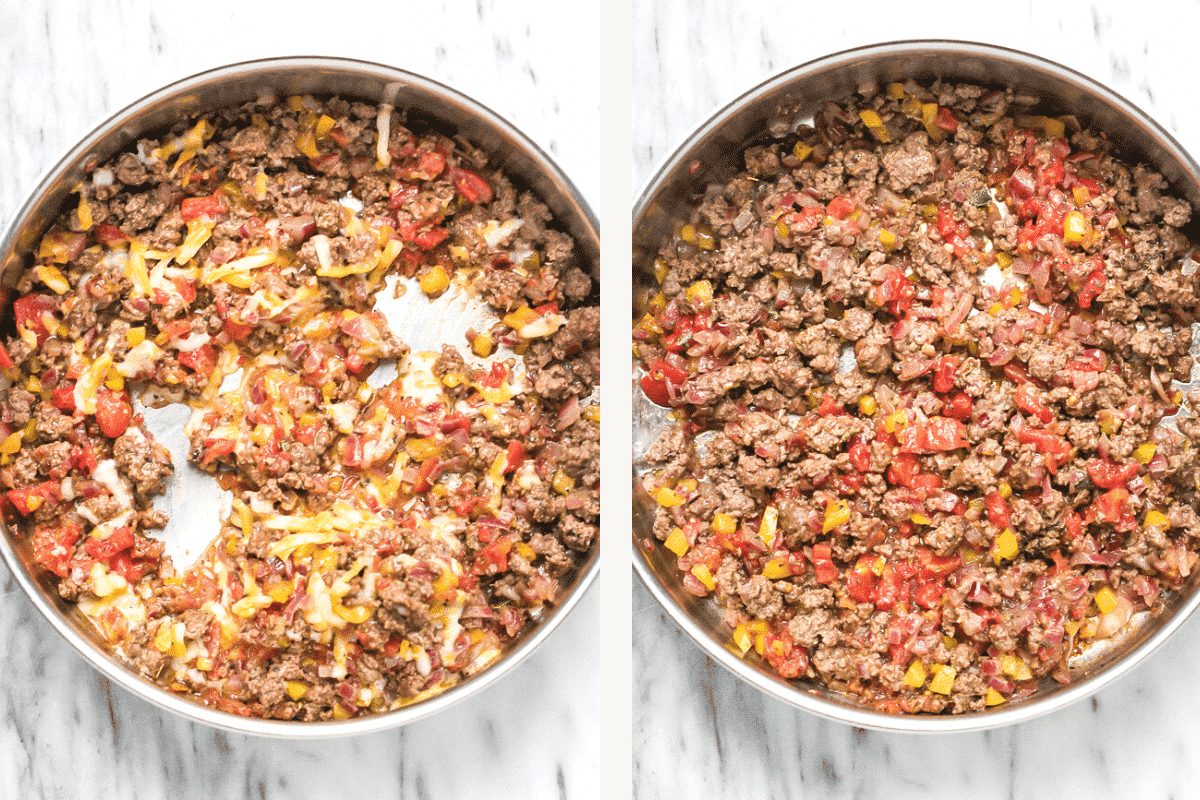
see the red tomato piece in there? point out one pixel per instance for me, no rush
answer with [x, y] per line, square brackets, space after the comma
[1108, 475]
[118, 540]
[805, 220]
[661, 383]
[63, 397]
[943, 375]
[428, 239]
[958, 407]
[30, 312]
[946, 120]
[195, 207]
[860, 456]
[1093, 287]
[903, 470]
[113, 412]
[471, 186]
[1029, 400]
[516, 454]
[202, 360]
[939, 434]
[823, 566]
[494, 557]
[861, 581]
[53, 547]
[1111, 505]
[108, 235]
[997, 510]
[840, 206]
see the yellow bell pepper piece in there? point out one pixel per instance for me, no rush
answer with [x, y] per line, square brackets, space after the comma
[676, 542]
[1154, 519]
[1106, 601]
[705, 577]
[915, 677]
[943, 681]
[775, 569]
[1005, 547]
[724, 523]
[837, 513]
[668, 498]
[1144, 454]
[994, 698]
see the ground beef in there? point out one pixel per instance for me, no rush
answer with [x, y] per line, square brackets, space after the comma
[896, 478]
[233, 263]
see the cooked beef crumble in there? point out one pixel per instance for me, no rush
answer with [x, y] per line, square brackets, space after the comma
[385, 540]
[921, 355]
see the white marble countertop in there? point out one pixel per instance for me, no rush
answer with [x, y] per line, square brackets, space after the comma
[64, 731]
[699, 732]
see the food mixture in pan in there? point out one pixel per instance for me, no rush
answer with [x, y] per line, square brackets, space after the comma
[921, 355]
[386, 538]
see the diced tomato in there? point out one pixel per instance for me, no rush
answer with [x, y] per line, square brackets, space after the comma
[202, 360]
[934, 566]
[861, 581]
[306, 433]
[1074, 525]
[943, 375]
[402, 195]
[925, 481]
[1016, 372]
[902, 470]
[822, 558]
[938, 434]
[997, 510]
[1029, 400]
[6, 361]
[118, 540]
[195, 207]
[426, 475]
[860, 456]
[63, 397]
[30, 311]
[1093, 287]
[214, 449]
[828, 407]
[424, 239]
[127, 567]
[236, 330]
[177, 329]
[494, 557]
[928, 594]
[946, 119]
[958, 407]
[892, 587]
[186, 288]
[470, 185]
[784, 656]
[516, 454]
[430, 165]
[805, 220]
[113, 412]
[841, 205]
[1111, 505]
[29, 499]
[83, 458]
[662, 381]
[53, 547]
[1108, 475]
[680, 338]
[896, 292]
[352, 454]
[109, 235]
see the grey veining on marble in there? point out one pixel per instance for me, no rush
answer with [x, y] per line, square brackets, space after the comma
[64, 731]
[698, 731]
